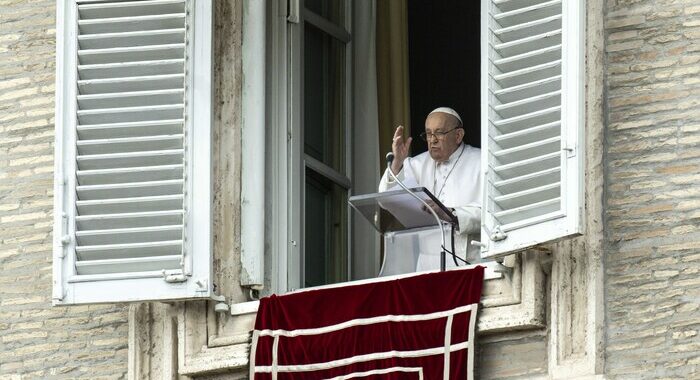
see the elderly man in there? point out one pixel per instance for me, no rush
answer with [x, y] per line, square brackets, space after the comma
[450, 170]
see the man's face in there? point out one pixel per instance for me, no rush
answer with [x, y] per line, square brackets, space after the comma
[442, 146]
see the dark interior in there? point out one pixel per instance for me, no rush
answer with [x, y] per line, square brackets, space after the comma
[444, 64]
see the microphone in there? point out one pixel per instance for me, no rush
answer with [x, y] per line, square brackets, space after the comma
[389, 160]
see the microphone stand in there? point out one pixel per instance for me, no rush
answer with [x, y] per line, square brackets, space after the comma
[389, 160]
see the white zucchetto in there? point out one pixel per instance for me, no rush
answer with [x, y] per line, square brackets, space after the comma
[448, 111]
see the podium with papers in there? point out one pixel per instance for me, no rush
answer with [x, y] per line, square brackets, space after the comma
[412, 237]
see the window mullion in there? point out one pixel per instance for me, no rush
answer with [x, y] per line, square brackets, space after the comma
[327, 171]
[326, 26]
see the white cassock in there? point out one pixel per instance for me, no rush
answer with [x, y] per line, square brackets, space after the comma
[457, 184]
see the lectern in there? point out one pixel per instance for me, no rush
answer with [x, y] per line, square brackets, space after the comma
[412, 236]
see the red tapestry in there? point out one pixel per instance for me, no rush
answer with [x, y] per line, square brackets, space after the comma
[417, 327]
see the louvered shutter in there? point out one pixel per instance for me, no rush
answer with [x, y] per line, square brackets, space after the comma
[532, 122]
[133, 155]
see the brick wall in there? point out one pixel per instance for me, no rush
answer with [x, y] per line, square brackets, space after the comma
[653, 197]
[37, 340]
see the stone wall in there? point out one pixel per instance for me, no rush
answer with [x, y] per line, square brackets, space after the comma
[36, 339]
[653, 198]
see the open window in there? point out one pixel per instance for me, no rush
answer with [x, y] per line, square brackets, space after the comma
[133, 166]
[320, 120]
[353, 75]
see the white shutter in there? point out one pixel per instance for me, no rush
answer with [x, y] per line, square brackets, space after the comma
[532, 122]
[133, 119]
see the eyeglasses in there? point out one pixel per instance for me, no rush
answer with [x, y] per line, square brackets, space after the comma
[438, 135]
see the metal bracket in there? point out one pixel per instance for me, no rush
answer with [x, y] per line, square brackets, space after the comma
[61, 297]
[483, 246]
[221, 305]
[173, 277]
[498, 234]
[293, 11]
[570, 152]
[500, 268]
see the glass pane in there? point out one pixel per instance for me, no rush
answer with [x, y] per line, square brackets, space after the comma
[324, 98]
[325, 240]
[332, 10]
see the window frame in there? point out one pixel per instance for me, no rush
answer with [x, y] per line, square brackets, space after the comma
[289, 248]
[299, 161]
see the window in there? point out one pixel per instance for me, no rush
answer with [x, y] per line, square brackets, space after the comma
[531, 131]
[319, 79]
[132, 151]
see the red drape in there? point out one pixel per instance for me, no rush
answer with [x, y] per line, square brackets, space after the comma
[408, 328]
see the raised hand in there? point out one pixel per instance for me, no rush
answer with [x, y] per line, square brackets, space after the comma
[400, 147]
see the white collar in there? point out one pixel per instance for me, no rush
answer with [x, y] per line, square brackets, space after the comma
[454, 154]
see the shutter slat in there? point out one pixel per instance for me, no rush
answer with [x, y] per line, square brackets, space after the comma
[512, 217]
[131, 69]
[130, 114]
[528, 44]
[528, 120]
[529, 74]
[518, 107]
[528, 181]
[130, 39]
[129, 8]
[140, 264]
[528, 28]
[528, 151]
[130, 144]
[528, 89]
[528, 196]
[131, 159]
[131, 54]
[131, 24]
[130, 205]
[528, 13]
[529, 135]
[509, 5]
[130, 190]
[129, 220]
[131, 84]
[529, 58]
[129, 250]
[131, 99]
[129, 235]
[135, 129]
[532, 165]
[122, 175]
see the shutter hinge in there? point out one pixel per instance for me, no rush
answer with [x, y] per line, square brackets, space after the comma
[570, 152]
[65, 239]
[476, 243]
[293, 11]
